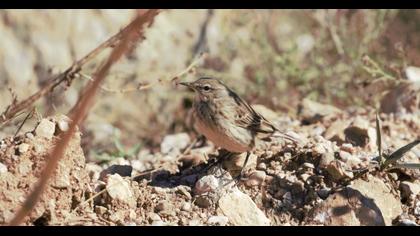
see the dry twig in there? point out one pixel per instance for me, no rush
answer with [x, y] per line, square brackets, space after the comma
[67, 76]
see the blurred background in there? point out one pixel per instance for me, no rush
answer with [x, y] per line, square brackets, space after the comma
[346, 58]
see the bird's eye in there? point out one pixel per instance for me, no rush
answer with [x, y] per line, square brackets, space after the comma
[206, 87]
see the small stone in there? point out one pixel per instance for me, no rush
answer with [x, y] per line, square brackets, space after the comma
[326, 159]
[345, 155]
[323, 193]
[3, 168]
[256, 178]
[194, 222]
[241, 210]
[163, 206]
[347, 147]
[262, 166]
[208, 183]
[186, 206]
[158, 223]
[413, 73]
[408, 188]
[159, 190]
[118, 188]
[305, 177]
[203, 201]
[153, 217]
[360, 133]
[308, 165]
[174, 142]
[184, 191]
[24, 147]
[406, 222]
[217, 220]
[100, 210]
[122, 170]
[45, 129]
[29, 135]
[337, 171]
[62, 122]
[319, 149]
[312, 111]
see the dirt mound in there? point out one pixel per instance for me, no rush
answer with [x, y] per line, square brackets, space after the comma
[24, 158]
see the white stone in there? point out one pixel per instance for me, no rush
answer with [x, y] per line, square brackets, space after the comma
[217, 220]
[45, 129]
[118, 188]
[208, 183]
[413, 73]
[174, 142]
[3, 168]
[241, 210]
[23, 148]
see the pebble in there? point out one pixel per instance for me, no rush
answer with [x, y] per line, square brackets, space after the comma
[208, 183]
[262, 166]
[186, 206]
[218, 220]
[163, 206]
[118, 188]
[45, 129]
[3, 168]
[23, 148]
[256, 178]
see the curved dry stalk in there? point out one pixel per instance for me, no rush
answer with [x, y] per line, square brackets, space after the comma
[128, 38]
[67, 76]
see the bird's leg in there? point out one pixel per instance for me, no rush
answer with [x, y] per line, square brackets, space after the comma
[243, 167]
[238, 178]
[218, 161]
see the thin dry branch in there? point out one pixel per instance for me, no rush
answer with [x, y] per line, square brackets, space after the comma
[67, 76]
[132, 34]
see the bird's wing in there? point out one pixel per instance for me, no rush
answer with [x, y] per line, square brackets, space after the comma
[247, 117]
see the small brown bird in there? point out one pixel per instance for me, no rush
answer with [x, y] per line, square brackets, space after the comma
[226, 119]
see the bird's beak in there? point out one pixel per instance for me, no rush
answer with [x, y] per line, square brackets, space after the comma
[189, 85]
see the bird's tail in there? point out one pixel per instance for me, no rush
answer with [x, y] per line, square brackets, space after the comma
[291, 136]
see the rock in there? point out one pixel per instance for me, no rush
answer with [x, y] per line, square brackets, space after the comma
[337, 171]
[163, 206]
[408, 189]
[100, 210]
[319, 149]
[326, 159]
[360, 133]
[406, 222]
[241, 210]
[3, 168]
[335, 131]
[174, 143]
[24, 147]
[256, 178]
[203, 201]
[62, 180]
[323, 193]
[312, 112]
[122, 170]
[413, 73]
[29, 135]
[94, 170]
[45, 129]
[62, 122]
[403, 99]
[217, 220]
[184, 190]
[158, 223]
[376, 190]
[186, 206]
[262, 166]
[153, 217]
[308, 165]
[118, 188]
[208, 183]
[363, 203]
[345, 156]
